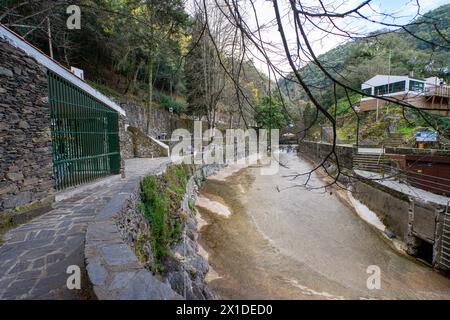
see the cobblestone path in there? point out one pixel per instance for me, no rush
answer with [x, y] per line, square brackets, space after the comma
[35, 255]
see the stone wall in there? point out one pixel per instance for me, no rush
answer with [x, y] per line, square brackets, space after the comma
[142, 146]
[185, 268]
[408, 218]
[124, 143]
[411, 219]
[111, 264]
[162, 123]
[25, 139]
[317, 151]
[390, 206]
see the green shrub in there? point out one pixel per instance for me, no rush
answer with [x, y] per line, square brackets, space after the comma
[168, 102]
[343, 106]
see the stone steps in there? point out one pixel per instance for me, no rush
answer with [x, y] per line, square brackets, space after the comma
[368, 162]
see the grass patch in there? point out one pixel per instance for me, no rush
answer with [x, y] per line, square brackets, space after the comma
[343, 107]
[6, 223]
[191, 205]
[161, 199]
[104, 89]
[139, 249]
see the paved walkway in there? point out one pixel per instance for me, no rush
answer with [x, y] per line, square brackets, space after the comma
[35, 256]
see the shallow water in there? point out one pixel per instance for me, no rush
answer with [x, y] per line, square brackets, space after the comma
[299, 244]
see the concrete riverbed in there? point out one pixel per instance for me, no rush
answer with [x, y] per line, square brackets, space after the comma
[279, 240]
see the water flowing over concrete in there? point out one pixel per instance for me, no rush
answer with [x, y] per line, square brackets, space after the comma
[283, 241]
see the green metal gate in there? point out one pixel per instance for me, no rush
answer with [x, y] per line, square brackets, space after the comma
[444, 252]
[85, 135]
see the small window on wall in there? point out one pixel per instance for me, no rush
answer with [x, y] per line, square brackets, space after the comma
[416, 86]
[367, 91]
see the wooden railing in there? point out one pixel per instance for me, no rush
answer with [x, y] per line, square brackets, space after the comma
[441, 91]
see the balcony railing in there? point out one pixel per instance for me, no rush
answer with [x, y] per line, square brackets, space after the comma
[440, 91]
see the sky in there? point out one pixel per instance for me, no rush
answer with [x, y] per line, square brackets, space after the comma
[400, 11]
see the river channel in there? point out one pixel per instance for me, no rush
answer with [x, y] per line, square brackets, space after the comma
[267, 238]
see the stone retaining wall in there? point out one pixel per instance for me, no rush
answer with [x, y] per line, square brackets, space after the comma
[113, 267]
[187, 270]
[391, 207]
[142, 146]
[162, 122]
[317, 151]
[410, 219]
[25, 139]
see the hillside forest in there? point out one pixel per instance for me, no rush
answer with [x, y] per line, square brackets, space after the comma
[383, 52]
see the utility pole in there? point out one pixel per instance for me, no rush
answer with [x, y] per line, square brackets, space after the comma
[376, 119]
[389, 79]
[357, 131]
[389, 72]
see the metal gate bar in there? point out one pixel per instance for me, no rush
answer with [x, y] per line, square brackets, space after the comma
[85, 135]
[445, 240]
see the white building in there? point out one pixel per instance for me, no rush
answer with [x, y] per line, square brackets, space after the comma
[431, 93]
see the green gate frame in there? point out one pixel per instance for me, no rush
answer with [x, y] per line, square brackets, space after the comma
[85, 135]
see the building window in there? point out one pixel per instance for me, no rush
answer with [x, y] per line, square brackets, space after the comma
[380, 90]
[397, 86]
[416, 86]
[391, 88]
[367, 91]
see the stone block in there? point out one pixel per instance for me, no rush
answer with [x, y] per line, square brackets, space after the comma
[97, 274]
[118, 254]
[6, 72]
[22, 198]
[23, 125]
[121, 280]
[14, 176]
[7, 187]
[144, 286]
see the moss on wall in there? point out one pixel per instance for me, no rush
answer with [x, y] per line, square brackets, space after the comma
[161, 198]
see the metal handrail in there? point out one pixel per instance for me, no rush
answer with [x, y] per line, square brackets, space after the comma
[417, 179]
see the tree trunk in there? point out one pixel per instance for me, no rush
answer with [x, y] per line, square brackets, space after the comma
[151, 56]
[137, 73]
[150, 91]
